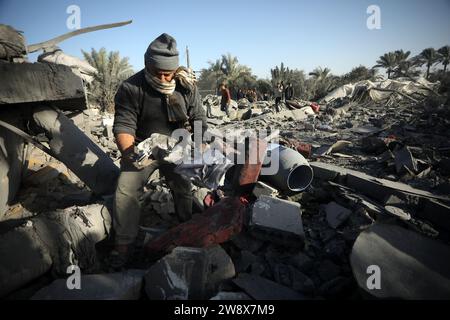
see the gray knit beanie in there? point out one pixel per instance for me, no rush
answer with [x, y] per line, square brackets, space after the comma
[162, 53]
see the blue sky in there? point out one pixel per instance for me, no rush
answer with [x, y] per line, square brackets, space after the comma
[302, 34]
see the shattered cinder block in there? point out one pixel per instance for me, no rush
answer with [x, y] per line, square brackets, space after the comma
[336, 214]
[264, 189]
[110, 286]
[189, 273]
[277, 220]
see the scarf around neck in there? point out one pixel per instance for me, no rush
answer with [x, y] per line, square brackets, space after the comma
[186, 78]
[166, 88]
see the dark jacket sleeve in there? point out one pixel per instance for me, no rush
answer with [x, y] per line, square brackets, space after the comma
[195, 110]
[126, 110]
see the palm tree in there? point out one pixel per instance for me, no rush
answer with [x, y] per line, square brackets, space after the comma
[231, 67]
[444, 58]
[407, 68]
[322, 83]
[428, 57]
[320, 73]
[401, 56]
[211, 76]
[112, 70]
[387, 61]
[228, 70]
[235, 73]
[357, 74]
[281, 74]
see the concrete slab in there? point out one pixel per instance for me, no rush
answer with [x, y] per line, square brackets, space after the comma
[278, 219]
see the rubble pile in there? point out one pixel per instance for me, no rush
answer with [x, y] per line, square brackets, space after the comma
[364, 180]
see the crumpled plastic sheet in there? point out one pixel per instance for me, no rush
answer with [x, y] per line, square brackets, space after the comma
[203, 169]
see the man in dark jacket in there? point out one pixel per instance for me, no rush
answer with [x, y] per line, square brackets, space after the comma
[158, 99]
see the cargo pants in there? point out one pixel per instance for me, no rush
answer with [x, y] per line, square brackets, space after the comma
[127, 209]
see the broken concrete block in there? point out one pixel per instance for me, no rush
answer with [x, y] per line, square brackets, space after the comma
[409, 265]
[336, 214]
[429, 204]
[109, 286]
[41, 82]
[24, 257]
[189, 273]
[379, 189]
[224, 295]
[280, 220]
[264, 189]
[326, 171]
[260, 288]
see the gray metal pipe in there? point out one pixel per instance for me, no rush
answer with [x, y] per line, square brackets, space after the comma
[294, 172]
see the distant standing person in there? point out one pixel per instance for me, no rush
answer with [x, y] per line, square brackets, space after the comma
[209, 113]
[255, 95]
[250, 96]
[278, 95]
[282, 87]
[289, 92]
[226, 98]
[240, 94]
